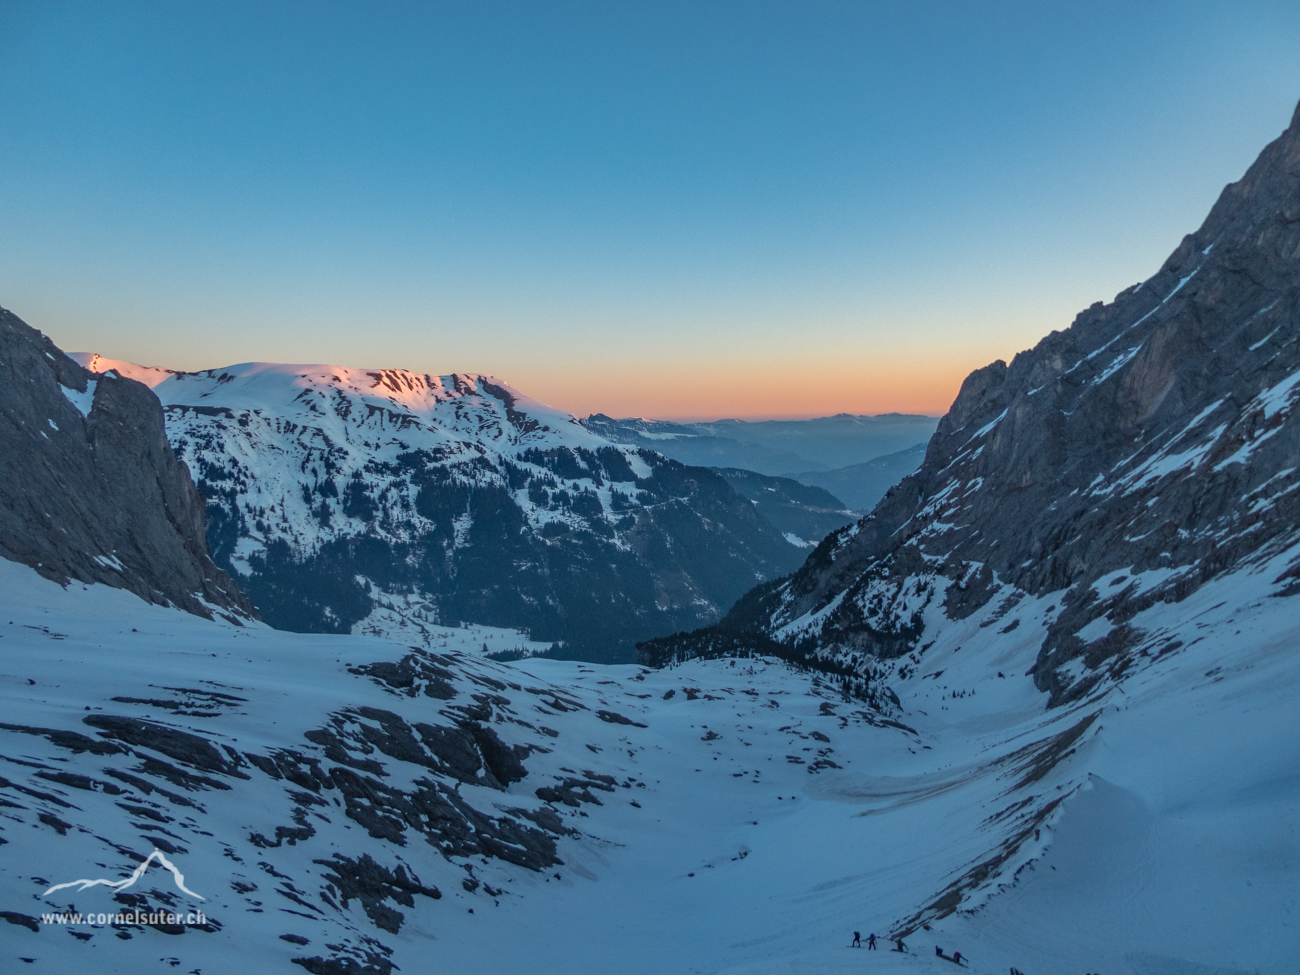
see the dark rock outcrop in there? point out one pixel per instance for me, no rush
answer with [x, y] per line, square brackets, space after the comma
[1157, 437]
[371, 883]
[90, 490]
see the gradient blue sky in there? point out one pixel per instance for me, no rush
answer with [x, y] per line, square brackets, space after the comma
[667, 209]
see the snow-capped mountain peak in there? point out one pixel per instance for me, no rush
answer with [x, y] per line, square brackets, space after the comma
[151, 376]
[388, 501]
[477, 401]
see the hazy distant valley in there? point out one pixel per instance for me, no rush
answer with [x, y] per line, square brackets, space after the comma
[855, 458]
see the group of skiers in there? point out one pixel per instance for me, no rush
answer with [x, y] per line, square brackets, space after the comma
[899, 946]
[956, 955]
[871, 942]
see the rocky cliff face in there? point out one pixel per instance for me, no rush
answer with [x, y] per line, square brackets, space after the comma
[1124, 462]
[389, 502]
[90, 490]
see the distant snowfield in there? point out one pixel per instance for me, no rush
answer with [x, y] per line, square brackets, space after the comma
[1174, 848]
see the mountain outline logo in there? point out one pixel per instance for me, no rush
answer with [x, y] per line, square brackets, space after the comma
[126, 882]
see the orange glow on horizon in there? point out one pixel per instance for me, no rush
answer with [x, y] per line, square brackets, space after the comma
[751, 392]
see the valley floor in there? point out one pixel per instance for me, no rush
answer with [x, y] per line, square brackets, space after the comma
[759, 820]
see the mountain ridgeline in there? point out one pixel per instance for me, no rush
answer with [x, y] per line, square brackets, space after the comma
[804, 514]
[1121, 464]
[773, 447]
[390, 502]
[854, 458]
[860, 486]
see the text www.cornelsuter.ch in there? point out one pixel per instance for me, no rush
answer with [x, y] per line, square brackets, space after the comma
[127, 917]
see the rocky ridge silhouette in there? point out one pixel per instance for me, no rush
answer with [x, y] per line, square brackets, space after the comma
[1124, 461]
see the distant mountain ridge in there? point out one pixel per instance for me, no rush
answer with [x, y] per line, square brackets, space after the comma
[386, 501]
[860, 486]
[772, 447]
[804, 514]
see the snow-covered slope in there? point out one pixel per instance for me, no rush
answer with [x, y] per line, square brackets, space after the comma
[350, 804]
[386, 501]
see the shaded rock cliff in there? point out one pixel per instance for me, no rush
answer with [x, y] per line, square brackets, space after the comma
[90, 490]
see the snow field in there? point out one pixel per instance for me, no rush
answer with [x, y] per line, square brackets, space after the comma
[1172, 852]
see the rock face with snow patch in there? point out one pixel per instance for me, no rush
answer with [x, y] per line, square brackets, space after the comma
[1152, 446]
[91, 491]
[387, 501]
